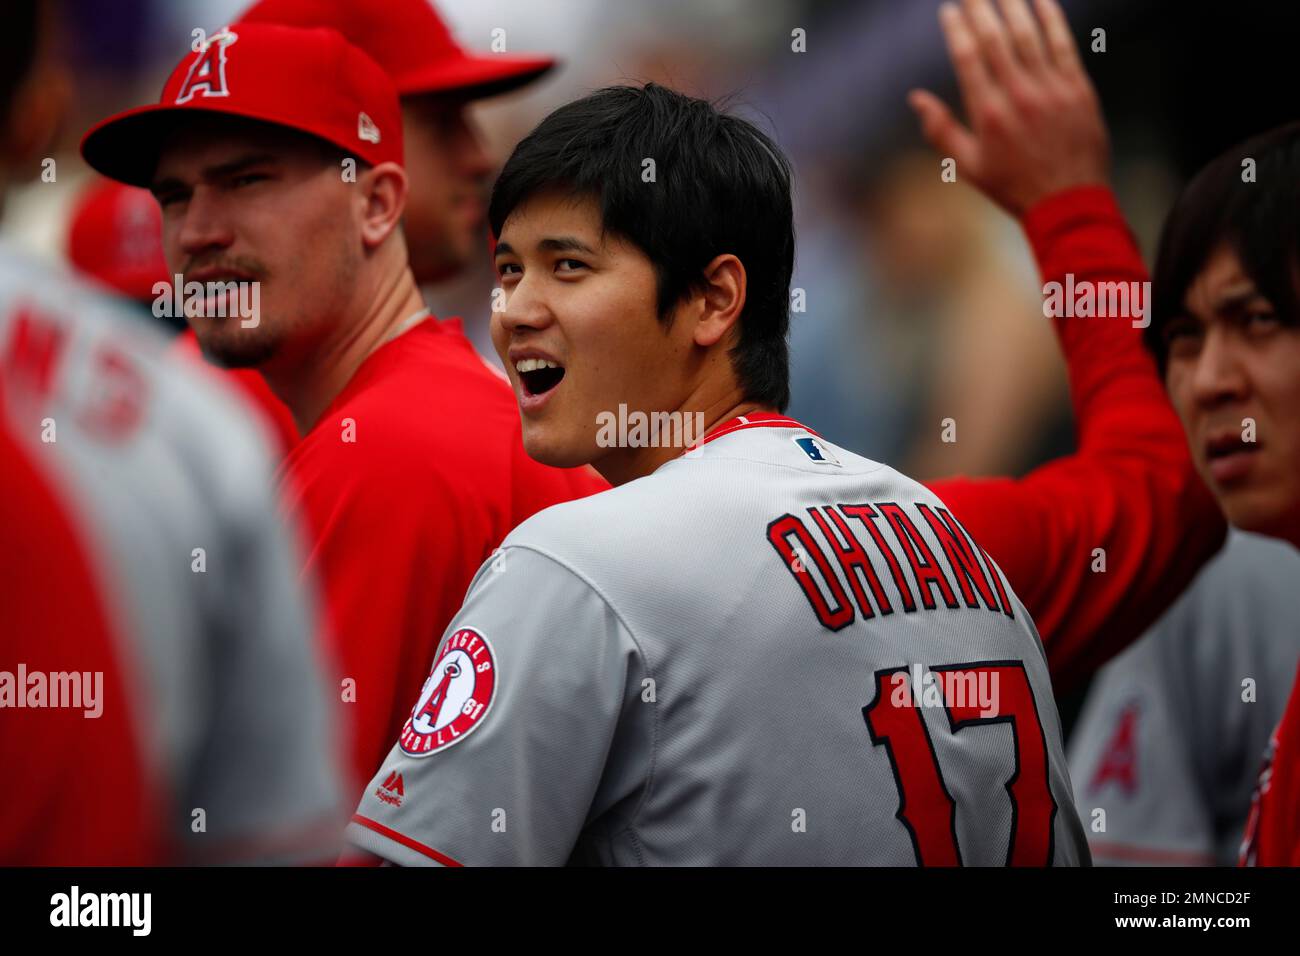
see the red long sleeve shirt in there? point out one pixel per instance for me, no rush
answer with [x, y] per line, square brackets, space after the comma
[1130, 488]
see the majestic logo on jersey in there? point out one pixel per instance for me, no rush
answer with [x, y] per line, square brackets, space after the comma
[815, 450]
[391, 790]
[456, 696]
[207, 75]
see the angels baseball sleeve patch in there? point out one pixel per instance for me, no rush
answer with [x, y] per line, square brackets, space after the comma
[456, 696]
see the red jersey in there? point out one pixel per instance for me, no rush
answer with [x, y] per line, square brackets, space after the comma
[1273, 829]
[94, 805]
[409, 481]
[1130, 490]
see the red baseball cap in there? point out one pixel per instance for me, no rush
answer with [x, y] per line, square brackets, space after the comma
[410, 41]
[311, 80]
[115, 236]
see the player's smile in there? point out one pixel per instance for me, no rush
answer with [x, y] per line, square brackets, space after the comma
[538, 375]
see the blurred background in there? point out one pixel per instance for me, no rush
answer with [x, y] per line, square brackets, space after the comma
[921, 300]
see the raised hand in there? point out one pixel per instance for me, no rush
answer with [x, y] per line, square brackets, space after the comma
[1035, 123]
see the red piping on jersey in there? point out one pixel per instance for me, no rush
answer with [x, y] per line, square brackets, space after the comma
[754, 420]
[406, 841]
[1130, 853]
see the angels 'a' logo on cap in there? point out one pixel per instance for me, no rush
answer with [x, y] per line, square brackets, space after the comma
[207, 75]
[456, 696]
[366, 129]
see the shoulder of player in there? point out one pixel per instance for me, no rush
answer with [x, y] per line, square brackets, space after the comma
[108, 357]
[426, 405]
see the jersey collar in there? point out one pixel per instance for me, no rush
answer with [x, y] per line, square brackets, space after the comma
[753, 420]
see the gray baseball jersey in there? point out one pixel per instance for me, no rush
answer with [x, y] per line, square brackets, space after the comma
[1172, 735]
[172, 491]
[769, 651]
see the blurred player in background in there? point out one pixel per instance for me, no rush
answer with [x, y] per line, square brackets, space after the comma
[1169, 739]
[276, 156]
[158, 571]
[1225, 331]
[115, 237]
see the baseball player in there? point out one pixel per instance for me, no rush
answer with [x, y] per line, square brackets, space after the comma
[673, 671]
[1168, 742]
[1224, 333]
[447, 167]
[115, 237]
[203, 641]
[276, 155]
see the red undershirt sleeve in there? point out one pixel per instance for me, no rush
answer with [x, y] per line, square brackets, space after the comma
[1130, 489]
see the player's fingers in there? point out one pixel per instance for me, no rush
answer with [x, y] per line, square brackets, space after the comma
[1026, 38]
[1060, 41]
[941, 129]
[991, 35]
[972, 75]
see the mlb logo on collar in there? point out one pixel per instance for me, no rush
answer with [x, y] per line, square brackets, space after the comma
[207, 75]
[815, 450]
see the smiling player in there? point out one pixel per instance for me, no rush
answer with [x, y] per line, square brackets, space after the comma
[676, 687]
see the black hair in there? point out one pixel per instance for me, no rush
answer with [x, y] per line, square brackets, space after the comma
[18, 44]
[721, 186]
[1259, 220]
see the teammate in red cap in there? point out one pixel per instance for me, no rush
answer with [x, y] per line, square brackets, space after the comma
[276, 155]
[447, 166]
[115, 237]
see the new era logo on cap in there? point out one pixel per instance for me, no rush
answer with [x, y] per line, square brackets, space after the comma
[366, 129]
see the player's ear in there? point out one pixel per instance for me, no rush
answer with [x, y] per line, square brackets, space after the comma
[722, 298]
[383, 194]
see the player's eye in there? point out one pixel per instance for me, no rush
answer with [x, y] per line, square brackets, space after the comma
[509, 269]
[1260, 321]
[1181, 336]
[169, 198]
[1180, 328]
[573, 265]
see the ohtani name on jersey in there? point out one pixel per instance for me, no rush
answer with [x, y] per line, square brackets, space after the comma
[843, 555]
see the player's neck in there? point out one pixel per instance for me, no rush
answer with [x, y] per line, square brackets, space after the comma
[627, 464]
[308, 387]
